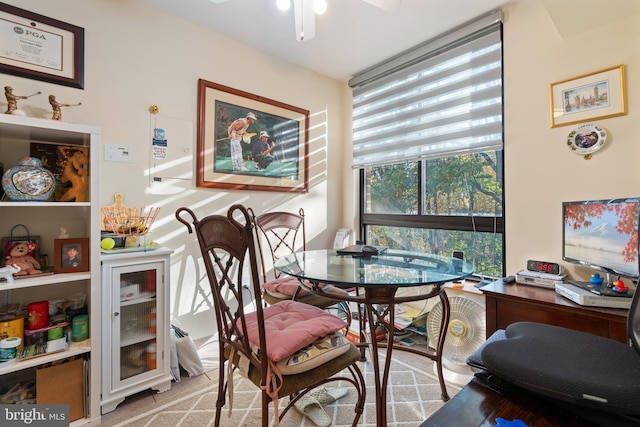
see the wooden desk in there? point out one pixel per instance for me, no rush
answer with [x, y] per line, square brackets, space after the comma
[511, 303]
[478, 406]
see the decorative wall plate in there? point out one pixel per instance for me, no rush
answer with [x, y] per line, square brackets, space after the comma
[587, 139]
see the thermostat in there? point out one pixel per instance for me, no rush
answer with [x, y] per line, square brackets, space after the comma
[119, 153]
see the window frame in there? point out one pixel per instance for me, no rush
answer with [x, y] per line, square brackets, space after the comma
[482, 224]
[464, 223]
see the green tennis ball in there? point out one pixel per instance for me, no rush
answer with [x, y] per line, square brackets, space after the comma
[107, 243]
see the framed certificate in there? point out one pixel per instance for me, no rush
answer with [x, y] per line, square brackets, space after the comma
[40, 48]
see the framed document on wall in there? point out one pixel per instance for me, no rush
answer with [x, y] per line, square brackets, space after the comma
[41, 48]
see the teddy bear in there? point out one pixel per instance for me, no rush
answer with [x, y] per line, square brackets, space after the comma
[18, 254]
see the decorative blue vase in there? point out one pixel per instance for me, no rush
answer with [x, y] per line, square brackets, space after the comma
[28, 181]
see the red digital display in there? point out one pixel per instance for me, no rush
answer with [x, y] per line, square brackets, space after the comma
[543, 267]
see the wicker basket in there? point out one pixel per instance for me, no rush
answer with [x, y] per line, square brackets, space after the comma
[125, 221]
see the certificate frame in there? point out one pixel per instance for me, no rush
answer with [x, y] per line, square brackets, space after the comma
[41, 48]
[285, 127]
[594, 96]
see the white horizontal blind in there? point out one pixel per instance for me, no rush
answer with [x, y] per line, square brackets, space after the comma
[446, 102]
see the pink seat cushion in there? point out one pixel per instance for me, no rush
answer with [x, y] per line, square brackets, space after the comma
[285, 285]
[290, 326]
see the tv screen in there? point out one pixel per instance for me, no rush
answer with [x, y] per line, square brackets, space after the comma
[602, 234]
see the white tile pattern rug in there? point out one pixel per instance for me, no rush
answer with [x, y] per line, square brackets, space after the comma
[414, 394]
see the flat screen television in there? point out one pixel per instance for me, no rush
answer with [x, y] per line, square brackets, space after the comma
[603, 235]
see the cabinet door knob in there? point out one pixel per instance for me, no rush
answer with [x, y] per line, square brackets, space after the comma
[116, 314]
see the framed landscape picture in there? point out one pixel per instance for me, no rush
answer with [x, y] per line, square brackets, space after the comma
[593, 96]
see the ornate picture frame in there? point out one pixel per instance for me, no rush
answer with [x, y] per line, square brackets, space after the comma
[41, 48]
[589, 97]
[248, 142]
[71, 255]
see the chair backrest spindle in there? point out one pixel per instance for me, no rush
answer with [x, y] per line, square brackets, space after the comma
[282, 233]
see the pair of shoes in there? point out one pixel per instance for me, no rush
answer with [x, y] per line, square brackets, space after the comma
[311, 405]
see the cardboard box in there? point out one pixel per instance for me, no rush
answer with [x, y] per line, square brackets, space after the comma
[63, 384]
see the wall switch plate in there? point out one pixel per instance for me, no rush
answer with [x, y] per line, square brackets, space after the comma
[119, 153]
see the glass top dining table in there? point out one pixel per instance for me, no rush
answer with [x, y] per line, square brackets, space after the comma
[396, 268]
[375, 281]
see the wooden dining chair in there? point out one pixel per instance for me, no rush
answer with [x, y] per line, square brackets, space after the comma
[282, 233]
[285, 349]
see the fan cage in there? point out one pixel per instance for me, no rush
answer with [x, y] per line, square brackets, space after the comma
[466, 330]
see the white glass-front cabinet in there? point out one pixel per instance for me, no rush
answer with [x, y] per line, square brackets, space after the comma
[81, 389]
[135, 327]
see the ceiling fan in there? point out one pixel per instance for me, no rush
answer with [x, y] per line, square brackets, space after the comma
[304, 12]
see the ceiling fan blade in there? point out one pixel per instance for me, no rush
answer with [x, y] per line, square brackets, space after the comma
[384, 4]
[305, 20]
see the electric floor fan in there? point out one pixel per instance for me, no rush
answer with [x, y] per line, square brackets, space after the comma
[466, 332]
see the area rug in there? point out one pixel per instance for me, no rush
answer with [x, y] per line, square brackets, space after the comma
[413, 395]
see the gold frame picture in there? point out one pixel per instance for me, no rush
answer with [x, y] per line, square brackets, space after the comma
[593, 96]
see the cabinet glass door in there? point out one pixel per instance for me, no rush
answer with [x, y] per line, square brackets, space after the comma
[135, 309]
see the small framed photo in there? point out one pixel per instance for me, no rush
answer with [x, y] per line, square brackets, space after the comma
[71, 255]
[589, 97]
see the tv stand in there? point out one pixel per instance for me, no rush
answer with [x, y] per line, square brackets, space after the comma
[512, 303]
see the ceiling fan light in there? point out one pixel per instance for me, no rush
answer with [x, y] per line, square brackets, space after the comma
[319, 6]
[283, 5]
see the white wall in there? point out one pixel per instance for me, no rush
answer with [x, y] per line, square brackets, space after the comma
[135, 57]
[543, 46]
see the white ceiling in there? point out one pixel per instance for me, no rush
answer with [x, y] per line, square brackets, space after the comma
[350, 37]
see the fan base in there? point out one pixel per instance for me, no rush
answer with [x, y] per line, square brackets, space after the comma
[457, 375]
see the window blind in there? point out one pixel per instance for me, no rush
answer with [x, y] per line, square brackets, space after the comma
[439, 99]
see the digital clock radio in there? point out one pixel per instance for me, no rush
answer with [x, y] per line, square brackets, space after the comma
[544, 267]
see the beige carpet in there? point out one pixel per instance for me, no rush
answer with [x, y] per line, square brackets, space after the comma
[414, 394]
